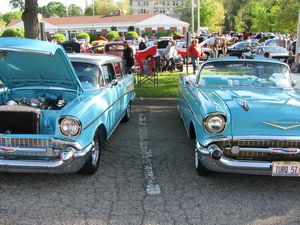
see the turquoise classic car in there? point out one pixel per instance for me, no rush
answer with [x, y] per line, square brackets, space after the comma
[55, 116]
[244, 116]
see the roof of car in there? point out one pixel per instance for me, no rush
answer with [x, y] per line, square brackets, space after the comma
[99, 59]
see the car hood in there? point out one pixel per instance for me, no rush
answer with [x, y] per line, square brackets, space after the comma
[258, 111]
[28, 63]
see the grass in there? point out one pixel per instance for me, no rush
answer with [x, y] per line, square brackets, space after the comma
[167, 86]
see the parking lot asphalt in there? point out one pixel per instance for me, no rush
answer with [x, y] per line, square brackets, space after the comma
[147, 176]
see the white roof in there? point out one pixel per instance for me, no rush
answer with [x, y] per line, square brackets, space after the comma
[162, 20]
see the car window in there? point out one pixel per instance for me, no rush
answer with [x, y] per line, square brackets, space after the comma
[237, 73]
[88, 74]
[118, 70]
[122, 67]
[108, 72]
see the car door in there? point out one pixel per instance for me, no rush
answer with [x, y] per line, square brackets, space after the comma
[112, 95]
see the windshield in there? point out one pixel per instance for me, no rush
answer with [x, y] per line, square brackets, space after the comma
[275, 50]
[245, 73]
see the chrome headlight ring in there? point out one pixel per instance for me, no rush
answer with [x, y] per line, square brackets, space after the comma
[70, 126]
[215, 123]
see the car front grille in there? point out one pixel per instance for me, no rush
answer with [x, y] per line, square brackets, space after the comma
[24, 142]
[261, 156]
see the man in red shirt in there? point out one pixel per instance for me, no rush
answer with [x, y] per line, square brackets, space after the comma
[196, 53]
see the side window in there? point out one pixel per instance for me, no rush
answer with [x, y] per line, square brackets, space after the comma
[108, 73]
[118, 70]
[122, 67]
[88, 74]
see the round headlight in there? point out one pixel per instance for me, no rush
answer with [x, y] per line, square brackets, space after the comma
[215, 123]
[70, 126]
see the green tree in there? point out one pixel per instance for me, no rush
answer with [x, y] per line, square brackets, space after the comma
[2, 25]
[60, 38]
[13, 33]
[106, 7]
[83, 35]
[74, 10]
[17, 4]
[56, 8]
[122, 6]
[212, 14]
[8, 17]
[131, 35]
[112, 35]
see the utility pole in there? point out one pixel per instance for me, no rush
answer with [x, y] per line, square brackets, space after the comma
[198, 5]
[297, 52]
[193, 24]
[93, 7]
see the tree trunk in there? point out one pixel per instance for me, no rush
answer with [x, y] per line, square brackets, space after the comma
[30, 19]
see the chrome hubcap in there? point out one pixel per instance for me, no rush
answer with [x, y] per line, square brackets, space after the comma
[95, 153]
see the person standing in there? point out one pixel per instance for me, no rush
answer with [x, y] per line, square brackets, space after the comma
[169, 54]
[196, 53]
[128, 57]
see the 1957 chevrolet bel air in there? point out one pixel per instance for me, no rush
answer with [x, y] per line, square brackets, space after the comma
[244, 116]
[54, 116]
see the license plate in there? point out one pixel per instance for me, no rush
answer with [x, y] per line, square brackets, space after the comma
[286, 169]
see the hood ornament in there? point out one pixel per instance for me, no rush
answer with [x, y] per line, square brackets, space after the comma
[244, 105]
[283, 125]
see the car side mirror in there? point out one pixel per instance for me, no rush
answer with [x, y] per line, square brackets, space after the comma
[294, 82]
[114, 82]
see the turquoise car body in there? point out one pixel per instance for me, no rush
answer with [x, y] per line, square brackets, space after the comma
[262, 121]
[34, 75]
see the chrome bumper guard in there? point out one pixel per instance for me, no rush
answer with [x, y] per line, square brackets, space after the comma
[64, 156]
[228, 165]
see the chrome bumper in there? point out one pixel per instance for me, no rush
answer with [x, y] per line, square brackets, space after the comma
[227, 165]
[63, 157]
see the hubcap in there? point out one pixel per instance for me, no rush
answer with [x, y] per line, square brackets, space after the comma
[95, 152]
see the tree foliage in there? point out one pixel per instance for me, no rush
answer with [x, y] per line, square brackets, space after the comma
[112, 35]
[56, 8]
[74, 10]
[131, 35]
[60, 38]
[8, 17]
[212, 14]
[268, 15]
[11, 32]
[83, 35]
[108, 8]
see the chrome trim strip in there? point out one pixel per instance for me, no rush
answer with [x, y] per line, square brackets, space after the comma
[97, 117]
[190, 107]
[27, 51]
[284, 151]
[251, 138]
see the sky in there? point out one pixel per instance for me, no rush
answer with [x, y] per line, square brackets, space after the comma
[6, 8]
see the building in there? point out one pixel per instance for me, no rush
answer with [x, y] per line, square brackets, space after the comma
[102, 24]
[168, 7]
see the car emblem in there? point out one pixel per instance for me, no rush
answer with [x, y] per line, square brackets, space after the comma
[244, 105]
[284, 125]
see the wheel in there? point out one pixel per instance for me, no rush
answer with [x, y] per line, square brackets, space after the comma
[92, 164]
[127, 114]
[201, 170]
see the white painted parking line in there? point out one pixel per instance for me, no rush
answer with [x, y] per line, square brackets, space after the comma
[152, 187]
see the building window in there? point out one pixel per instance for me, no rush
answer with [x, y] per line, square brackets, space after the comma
[146, 3]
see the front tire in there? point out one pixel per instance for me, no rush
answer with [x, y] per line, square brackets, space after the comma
[200, 169]
[127, 114]
[92, 164]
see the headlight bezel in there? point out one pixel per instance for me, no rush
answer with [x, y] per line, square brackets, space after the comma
[74, 119]
[209, 117]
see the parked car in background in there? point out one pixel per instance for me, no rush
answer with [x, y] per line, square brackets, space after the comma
[244, 117]
[55, 116]
[114, 48]
[239, 48]
[275, 52]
